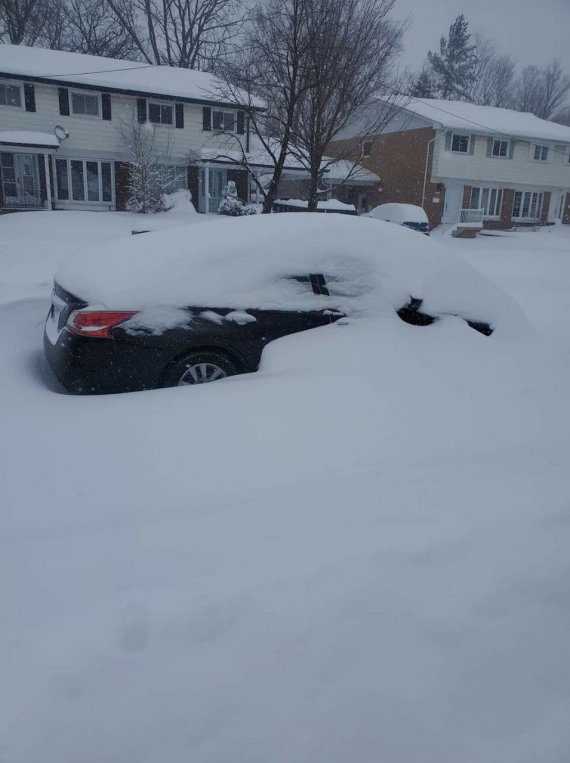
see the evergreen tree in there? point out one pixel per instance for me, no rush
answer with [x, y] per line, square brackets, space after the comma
[424, 86]
[454, 67]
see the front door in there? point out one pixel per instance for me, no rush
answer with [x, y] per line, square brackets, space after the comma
[20, 180]
[217, 186]
[453, 202]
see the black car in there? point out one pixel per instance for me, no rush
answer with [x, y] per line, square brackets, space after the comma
[103, 351]
[200, 302]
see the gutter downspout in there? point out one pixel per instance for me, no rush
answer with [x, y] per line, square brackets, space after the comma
[432, 140]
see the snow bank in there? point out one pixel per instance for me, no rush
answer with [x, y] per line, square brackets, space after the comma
[372, 269]
[179, 202]
[332, 204]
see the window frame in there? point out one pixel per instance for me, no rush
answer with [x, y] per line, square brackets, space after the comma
[161, 104]
[224, 128]
[528, 217]
[85, 200]
[498, 200]
[542, 146]
[83, 94]
[500, 141]
[20, 87]
[460, 135]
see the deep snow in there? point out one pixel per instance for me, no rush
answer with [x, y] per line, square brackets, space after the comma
[358, 553]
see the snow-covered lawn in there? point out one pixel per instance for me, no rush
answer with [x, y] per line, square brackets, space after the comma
[363, 559]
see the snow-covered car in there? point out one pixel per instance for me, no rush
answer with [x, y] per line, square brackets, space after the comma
[190, 305]
[408, 215]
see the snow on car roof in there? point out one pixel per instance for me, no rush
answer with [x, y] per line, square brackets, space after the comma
[372, 268]
[112, 73]
[399, 213]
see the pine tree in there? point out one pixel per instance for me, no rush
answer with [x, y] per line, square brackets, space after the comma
[424, 86]
[455, 65]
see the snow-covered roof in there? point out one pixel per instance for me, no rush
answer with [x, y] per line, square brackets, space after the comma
[28, 138]
[112, 74]
[487, 120]
[333, 205]
[337, 171]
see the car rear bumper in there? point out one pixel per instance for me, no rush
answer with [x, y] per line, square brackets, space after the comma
[89, 366]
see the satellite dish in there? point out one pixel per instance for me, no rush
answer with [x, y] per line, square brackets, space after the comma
[61, 133]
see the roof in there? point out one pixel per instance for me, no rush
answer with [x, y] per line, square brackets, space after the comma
[28, 138]
[487, 120]
[112, 74]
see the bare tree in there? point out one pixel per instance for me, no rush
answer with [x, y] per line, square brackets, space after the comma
[542, 91]
[494, 75]
[272, 69]
[555, 88]
[90, 26]
[351, 55]
[22, 21]
[192, 34]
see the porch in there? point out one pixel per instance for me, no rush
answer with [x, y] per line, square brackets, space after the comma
[24, 169]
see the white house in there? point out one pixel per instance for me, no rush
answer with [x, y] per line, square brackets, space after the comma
[461, 161]
[63, 117]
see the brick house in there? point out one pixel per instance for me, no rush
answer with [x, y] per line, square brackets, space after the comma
[466, 163]
[62, 118]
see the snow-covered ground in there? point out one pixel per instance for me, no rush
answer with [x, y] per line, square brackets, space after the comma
[362, 559]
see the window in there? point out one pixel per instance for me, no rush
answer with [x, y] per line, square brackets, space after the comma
[366, 148]
[488, 199]
[224, 120]
[540, 153]
[85, 104]
[460, 143]
[500, 149]
[173, 178]
[160, 113]
[79, 180]
[528, 205]
[11, 95]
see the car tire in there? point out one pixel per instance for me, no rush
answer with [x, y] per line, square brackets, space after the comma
[200, 367]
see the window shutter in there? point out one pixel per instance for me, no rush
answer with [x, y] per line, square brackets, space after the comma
[511, 149]
[63, 101]
[29, 97]
[241, 122]
[489, 146]
[141, 110]
[106, 106]
[471, 144]
[206, 118]
[448, 141]
[180, 115]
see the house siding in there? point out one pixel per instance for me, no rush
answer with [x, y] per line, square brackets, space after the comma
[399, 159]
[518, 171]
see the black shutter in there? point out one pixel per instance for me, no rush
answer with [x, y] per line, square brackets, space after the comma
[141, 110]
[64, 101]
[29, 97]
[106, 106]
[180, 115]
[206, 118]
[241, 122]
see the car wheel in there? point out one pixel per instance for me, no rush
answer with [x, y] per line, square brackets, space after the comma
[199, 368]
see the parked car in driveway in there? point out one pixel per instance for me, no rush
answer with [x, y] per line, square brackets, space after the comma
[408, 215]
[196, 304]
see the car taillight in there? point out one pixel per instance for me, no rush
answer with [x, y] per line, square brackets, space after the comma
[97, 323]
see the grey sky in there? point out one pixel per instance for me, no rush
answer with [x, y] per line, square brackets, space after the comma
[533, 31]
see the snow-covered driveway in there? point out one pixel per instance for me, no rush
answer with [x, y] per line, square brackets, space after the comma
[363, 560]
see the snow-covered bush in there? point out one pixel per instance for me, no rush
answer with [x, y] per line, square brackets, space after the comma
[233, 206]
[179, 202]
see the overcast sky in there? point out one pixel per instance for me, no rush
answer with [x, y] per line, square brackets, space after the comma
[533, 31]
